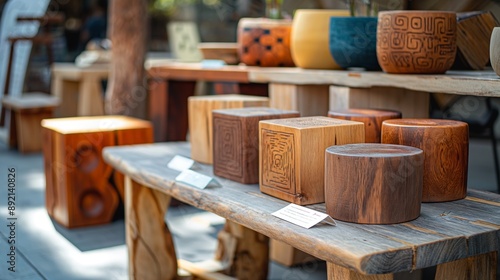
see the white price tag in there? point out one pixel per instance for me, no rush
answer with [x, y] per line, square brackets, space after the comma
[181, 163]
[303, 216]
[196, 179]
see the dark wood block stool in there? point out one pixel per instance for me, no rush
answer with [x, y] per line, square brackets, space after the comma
[200, 119]
[78, 189]
[446, 152]
[373, 183]
[372, 118]
[27, 112]
[292, 155]
[236, 141]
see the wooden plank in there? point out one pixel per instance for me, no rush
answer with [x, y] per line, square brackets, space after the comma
[309, 100]
[412, 104]
[149, 241]
[336, 272]
[205, 270]
[482, 267]
[286, 255]
[195, 71]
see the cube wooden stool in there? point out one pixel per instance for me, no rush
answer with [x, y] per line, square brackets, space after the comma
[236, 141]
[78, 189]
[27, 111]
[292, 155]
[372, 118]
[373, 183]
[200, 119]
[446, 152]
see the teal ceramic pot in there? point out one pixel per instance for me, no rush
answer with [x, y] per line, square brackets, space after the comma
[353, 42]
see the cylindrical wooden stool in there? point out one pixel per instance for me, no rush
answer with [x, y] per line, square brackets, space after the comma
[372, 118]
[373, 183]
[446, 150]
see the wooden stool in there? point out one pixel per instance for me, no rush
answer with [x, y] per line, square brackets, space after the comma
[373, 183]
[292, 155]
[372, 119]
[78, 189]
[200, 119]
[446, 150]
[236, 141]
[27, 111]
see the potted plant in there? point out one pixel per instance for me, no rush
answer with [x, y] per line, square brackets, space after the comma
[353, 40]
[265, 41]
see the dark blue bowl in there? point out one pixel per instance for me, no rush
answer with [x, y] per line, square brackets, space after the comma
[353, 42]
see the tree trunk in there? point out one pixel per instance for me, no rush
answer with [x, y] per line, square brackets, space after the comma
[127, 88]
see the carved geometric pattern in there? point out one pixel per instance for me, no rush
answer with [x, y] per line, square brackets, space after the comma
[278, 159]
[265, 47]
[417, 43]
[229, 146]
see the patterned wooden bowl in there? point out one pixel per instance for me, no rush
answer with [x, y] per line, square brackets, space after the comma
[416, 41]
[264, 42]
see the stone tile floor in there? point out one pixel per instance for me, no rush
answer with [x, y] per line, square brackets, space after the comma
[46, 250]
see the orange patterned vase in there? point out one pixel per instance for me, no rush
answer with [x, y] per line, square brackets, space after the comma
[264, 42]
[416, 41]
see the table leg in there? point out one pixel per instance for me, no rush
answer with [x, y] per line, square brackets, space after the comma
[67, 91]
[149, 241]
[245, 252]
[253, 89]
[412, 104]
[309, 100]
[90, 99]
[337, 272]
[478, 267]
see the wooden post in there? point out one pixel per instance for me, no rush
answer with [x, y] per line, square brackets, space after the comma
[477, 267]
[127, 90]
[150, 246]
[337, 272]
[309, 100]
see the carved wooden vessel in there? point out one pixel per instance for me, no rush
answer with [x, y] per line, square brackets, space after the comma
[372, 119]
[416, 41]
[373, 183]
[200, 119]
[292, 155]
[236, 141]
[78, 189]
[446, 151]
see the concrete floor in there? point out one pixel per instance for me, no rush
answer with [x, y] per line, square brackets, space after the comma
[46, 250]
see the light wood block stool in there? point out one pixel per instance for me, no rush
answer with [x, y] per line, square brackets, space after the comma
[78, 189]
[236, 141]
[446, 152]
[292, 155]
[373, 183]
[27, 111]
[200, 119]
[372, 118]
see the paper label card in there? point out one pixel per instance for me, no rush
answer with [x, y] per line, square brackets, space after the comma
[303, 216]
[195, 179]
[181, 163]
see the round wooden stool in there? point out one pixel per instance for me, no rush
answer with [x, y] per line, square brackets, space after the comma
[446, 150]
[373, 183]
[372, 118]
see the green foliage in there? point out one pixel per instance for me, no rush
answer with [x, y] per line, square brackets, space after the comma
[274, 9]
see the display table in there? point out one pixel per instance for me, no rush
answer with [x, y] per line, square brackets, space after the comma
[79, 89]
[461, 237]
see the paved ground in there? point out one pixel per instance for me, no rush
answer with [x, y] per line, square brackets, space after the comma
[48, 251]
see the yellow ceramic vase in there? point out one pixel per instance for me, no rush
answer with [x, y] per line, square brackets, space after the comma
[310, 36]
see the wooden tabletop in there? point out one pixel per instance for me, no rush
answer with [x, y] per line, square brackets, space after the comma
[479, 83]
[444, 232]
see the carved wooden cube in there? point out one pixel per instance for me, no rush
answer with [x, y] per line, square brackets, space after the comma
[236, 141]
[292, 155]
[200, 119]
[78, 188]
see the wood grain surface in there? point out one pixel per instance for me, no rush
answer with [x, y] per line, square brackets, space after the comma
[372, 118]
[446, 151]
[373, 183]
[200, 119]
[236, 141]
[363, 248]
[309, 100]
[444, 232]
[292, 155]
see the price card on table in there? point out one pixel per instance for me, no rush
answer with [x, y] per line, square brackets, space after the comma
[181, 163]
[195, 179]
[303, 216]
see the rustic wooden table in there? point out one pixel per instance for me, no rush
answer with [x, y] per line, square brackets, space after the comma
[461, 237]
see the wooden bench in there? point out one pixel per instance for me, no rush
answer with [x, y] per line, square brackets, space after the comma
[461, 238]
[27, 111]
